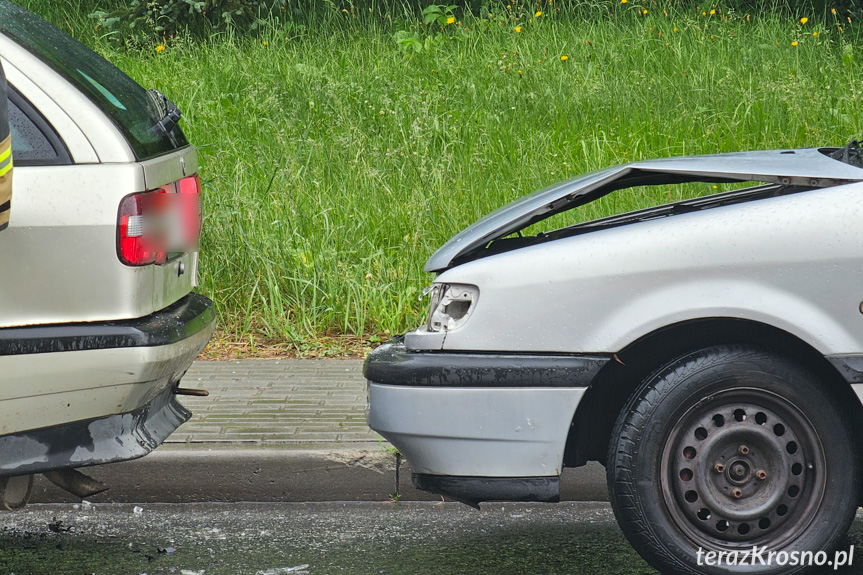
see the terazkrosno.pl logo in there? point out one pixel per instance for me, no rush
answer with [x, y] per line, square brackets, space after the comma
[767, 557]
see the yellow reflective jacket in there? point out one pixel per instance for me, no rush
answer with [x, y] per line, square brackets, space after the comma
[5, 155]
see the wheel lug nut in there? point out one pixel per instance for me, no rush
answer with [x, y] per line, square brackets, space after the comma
[737, 494]
[761, 474]
[743, 450]
[718, 468]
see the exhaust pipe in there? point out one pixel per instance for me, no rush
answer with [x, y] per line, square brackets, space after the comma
[75, 482]
[189, 391]
[15, 492]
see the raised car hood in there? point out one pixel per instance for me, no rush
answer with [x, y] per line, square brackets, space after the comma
[809, 167]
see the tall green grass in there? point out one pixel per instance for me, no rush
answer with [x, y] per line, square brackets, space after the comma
[335, 162]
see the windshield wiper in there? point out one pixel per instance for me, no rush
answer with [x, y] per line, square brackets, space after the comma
[165, 110]
[850, 154]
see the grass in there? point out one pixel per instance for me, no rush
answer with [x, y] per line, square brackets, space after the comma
[335, 161]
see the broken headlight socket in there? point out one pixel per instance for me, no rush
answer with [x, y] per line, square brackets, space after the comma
[450, 306]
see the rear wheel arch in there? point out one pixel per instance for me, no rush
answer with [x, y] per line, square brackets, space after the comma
[594, 419]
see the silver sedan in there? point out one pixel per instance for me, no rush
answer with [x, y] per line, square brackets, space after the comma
[709, 352]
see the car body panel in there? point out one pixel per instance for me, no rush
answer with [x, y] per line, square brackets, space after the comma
[623, 283]
[807, 167]
[498, 432]
[76, 232]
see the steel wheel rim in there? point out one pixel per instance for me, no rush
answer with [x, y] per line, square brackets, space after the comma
[742, 467]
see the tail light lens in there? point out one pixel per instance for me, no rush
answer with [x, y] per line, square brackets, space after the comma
[155, 226]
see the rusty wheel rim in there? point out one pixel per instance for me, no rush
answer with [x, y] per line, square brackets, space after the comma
[743, 466]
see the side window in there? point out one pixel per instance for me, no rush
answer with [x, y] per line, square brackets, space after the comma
[34, 142]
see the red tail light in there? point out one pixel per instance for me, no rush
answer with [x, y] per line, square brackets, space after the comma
[152, 226]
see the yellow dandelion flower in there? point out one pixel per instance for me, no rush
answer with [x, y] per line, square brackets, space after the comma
[815, 34]
[160, 48]
[675, 30]
[564, 58]
[704, 13]
[623, 1]
[265, 42]
[538, 14]
[804, 20]
[450, 20]
[645, 11]
[518, 29]
[793, 43]
[712, 12]
[833, 11]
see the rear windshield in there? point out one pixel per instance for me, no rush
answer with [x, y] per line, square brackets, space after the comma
[123, 100]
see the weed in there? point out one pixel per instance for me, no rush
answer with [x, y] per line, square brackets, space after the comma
[333, 165]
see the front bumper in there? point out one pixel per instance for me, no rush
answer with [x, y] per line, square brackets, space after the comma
[83, 394]
[478, 426]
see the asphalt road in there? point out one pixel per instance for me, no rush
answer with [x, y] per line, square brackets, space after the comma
[322, 538]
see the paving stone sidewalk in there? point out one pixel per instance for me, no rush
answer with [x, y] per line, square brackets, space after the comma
[287, 402]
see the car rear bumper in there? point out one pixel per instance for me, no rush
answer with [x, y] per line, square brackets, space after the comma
[478, 427]
[94, 441]
[177, 322]
[64, 384]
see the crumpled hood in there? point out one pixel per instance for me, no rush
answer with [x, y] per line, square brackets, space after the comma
[809, 167]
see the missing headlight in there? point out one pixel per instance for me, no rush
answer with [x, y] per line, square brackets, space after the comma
[451, 306]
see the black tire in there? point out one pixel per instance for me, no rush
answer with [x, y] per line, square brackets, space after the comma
[787, 475]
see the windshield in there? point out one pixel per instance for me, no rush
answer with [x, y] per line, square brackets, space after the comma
[123, 100]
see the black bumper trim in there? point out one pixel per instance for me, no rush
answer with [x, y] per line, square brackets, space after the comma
[475, 490]
[392, 364]
[850, 366]
[176, 322]
[95, 441]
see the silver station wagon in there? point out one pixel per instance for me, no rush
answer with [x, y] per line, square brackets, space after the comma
[709, 352]
[98, 321]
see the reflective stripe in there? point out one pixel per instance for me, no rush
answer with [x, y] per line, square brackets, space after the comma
[5, 180]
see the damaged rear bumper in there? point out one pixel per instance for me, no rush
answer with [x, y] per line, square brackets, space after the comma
[85, 394]
[478, 427]
[93, 442]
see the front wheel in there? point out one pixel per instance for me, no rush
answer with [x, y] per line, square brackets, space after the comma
[731, 451]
